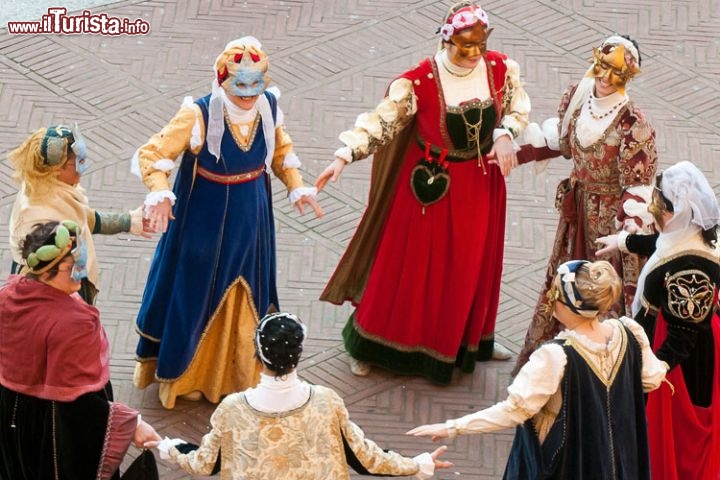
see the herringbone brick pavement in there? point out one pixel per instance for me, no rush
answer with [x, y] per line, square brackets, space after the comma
[333, 60]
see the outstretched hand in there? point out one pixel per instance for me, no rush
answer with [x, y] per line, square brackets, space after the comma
[503, 155]
[332, 172]
[435, 430]
[609, 245]
[309, 200]
[436, 454]
[144, 434]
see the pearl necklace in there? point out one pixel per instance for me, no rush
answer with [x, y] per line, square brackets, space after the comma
[606, 114]
[458, 75]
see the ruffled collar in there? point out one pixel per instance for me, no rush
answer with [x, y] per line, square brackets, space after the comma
[591, 345]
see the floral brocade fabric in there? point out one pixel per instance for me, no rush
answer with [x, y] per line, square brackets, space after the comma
[625, 156]
[301, 444]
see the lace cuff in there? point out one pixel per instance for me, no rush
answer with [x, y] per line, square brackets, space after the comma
[136, 221]
[426, 466]
[153, 198]
[166, 444]
[622, 241]
[451, 426]
[344, 153]
[299, 192]
[499, 132]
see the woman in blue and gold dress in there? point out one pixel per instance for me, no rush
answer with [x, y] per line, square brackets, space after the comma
[214, 268]
[425, 264]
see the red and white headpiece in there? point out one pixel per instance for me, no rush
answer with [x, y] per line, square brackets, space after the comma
[465, 17]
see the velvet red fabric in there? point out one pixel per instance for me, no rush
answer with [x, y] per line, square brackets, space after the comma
[65, 356]
[121, 424]
[684, 438]
[435, 280]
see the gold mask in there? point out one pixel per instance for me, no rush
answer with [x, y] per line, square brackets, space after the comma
[611, 62]
[469, 43]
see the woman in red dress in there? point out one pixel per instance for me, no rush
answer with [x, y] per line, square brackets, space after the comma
[425, 264]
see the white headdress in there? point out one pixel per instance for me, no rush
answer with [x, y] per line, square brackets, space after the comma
[695, 208]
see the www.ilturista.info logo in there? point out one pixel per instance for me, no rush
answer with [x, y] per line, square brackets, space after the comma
[58, 21]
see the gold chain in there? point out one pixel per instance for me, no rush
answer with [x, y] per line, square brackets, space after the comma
[473, 135]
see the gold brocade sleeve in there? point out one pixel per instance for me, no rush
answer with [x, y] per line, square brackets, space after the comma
[374, 459]
[516, 102]
[283, 146]
[168, 144]
[377, 128]
[202, 461]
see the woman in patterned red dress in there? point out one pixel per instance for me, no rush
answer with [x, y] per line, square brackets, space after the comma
[612, 147]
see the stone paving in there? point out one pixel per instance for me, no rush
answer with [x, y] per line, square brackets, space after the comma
[333, 60]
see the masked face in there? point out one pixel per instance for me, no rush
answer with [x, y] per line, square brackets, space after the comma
[246, 83]
[467, 47]
[79, 254]
[613, 67]
[82, 163]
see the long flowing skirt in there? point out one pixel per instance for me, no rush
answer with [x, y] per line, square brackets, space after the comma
[212, 275]
[432, 294]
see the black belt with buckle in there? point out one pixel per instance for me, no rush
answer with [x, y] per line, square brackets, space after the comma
[452, 155]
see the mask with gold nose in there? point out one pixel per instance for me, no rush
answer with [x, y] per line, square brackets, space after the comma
[616, 62]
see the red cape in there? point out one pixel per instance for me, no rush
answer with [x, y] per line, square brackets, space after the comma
[684, 439]
[52, 345]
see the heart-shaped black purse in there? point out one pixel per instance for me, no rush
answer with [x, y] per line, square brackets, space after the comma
[429, 182]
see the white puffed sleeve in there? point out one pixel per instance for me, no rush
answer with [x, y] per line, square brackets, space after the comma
[536, 382]
[653, 369]
[376, 128]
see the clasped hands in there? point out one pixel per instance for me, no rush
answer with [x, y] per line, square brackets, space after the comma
[503, 155]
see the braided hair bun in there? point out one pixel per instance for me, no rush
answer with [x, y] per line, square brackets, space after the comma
[279, 342]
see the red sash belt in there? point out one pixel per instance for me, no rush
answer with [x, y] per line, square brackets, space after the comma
[230, 179]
